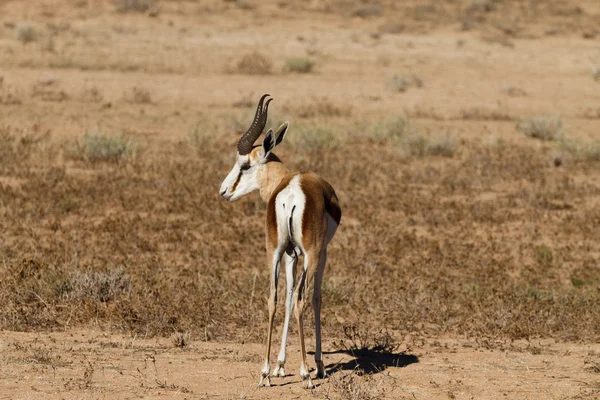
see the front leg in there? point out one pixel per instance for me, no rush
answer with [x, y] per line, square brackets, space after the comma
[275, 259]
[290, 274]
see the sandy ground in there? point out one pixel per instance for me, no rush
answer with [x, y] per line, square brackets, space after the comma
[79, 76]
[98, 365]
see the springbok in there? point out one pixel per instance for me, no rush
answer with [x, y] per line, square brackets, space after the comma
[303, 214]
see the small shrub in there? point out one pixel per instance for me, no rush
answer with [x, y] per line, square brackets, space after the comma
[372, 10]
[401, 83]
[99, 286]
[586, 151]
[299, 65]
[442, 145]
[26, 33]
[139, 6]
[315, 138]
[97, 146]
[254, 63]
[180, 339]
[392, 128]
[543, 128]
[596, 73]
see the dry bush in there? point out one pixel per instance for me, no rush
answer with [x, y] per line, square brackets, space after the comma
[401, 83]
[98, 286]
[26, 33]
[361, 339]
[442, 145]
[97, 146]
[315, 138]
[139, 6]
[543, 128]
[254, 63]
[392, 128]
[180, 339]
[299, 65]
[581, 150]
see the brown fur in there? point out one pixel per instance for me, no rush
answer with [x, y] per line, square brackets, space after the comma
[320, 199]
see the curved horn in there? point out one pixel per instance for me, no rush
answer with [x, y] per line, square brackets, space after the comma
[260, 120]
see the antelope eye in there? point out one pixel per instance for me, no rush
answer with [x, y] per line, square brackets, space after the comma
[245, 167]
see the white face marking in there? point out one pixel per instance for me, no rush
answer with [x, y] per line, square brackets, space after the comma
[242, 179]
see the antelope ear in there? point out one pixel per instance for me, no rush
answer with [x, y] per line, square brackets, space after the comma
[267, 145]
[281, 131]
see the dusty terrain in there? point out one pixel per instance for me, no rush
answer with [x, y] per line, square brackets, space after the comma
[462, 138]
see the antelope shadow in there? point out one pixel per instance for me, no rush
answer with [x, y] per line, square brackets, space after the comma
[371, 361]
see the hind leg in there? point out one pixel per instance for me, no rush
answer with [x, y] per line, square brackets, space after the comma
[291, 261]
[317, 308]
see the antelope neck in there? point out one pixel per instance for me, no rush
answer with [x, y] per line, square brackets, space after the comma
[269, 177]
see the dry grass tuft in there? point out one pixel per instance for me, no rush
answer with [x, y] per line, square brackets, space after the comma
[442, 145]
[255, 63]
[98, 286]
[299, 65]
[543, 128]
[392, 128]
[366, 11]
[139, 6]
[596, 73]
[401, 83]
[26, 33]
[315, 138]
[180, 339]
[96, 146]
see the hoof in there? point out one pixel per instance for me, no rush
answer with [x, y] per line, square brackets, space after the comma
[306, 381]
[265, 379]
[321, 370]
[279, 370]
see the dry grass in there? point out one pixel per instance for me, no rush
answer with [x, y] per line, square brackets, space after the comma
[145, 260]
[485, 114]
[254, 63]
[138, 95]
[138, 6]
[543, 128]
[97, 146]
[26, 33]
[596, 73]
[299, 65]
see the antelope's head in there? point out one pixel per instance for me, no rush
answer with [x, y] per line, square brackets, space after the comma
[250, 159]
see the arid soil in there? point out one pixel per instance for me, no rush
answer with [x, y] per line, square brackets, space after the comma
[462, 138]
[89, 364]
